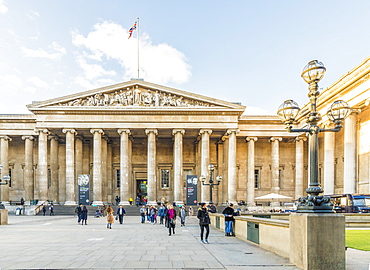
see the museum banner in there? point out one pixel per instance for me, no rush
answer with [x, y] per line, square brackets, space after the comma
[84, 189]
[191, 189]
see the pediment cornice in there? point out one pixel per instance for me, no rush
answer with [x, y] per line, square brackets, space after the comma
[134, 95]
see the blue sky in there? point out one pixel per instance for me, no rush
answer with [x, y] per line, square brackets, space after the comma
[241, 51]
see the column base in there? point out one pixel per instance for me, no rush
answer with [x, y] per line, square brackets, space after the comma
[97, 203]
[179, 203]
[152, 203]
[70, 203]
[124, 203]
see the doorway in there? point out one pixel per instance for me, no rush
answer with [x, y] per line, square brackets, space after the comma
[141, 189]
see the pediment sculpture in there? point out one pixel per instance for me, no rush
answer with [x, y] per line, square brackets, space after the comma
[136, 97]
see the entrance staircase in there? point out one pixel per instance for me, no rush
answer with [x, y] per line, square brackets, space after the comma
[68, 210]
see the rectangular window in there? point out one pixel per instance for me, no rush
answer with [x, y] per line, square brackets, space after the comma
[49, 178]
[280, 178]
[165, 178]
[118, 178]
[10, 174]
[257, 179]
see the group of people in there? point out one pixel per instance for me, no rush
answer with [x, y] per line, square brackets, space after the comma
[205, 221]
[51, 209]
[82, 213]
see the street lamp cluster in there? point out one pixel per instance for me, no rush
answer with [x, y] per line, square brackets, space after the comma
[211, 183]
[312, 73]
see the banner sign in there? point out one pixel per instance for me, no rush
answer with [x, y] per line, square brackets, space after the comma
[191, 189]
[84, 189]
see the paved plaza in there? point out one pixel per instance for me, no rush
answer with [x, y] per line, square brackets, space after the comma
[58, 242]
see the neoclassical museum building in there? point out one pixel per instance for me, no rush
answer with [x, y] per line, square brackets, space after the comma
[140, 139]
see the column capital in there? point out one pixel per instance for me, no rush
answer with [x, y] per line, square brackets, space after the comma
[70, 130]
[155, 131]
[28, 137]
[53, 137]
[203, 131]
[105, 137]
[99, 130]
[230, 131]
[80, 137]
[297, 139]
[272, 139]
[176, 130]
[124, 130]
[6, 138]
[248, 139]
[43, 130]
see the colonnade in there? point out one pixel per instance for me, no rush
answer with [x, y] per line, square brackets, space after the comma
[74, 164]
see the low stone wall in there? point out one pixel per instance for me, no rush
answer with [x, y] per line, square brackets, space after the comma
[3, 217]
[270, 234]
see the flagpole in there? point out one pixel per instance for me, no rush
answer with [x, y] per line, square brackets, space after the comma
[138, 51]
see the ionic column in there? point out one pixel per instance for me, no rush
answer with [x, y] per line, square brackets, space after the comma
[205, 133]
[97, 166]
[104, 154]
[350, 154]
[4, 144]
[299, 168]
[177, 155]
[53, 189]
[78, 162]
[152, 160]
[124, 165]
[28, 168]
[62, 173]
[250, 171]
[42, 165]
[329, 164]
[275, 164]
[70, 166]
[78, 156]
[232, 174]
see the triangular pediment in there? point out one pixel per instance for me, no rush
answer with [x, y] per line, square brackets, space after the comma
[134, 94]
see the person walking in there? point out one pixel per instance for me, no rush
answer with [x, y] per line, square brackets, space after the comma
[171, 219]
[204, 222]
[121, 212]
[44, 209]
[51, 208]
[110, 217]
[84, 215]
[78, 211]
[182, 215]
[117, 200]
[137, 201]
[142, 213]
[161, 214]
[229, 213]
[191, 211]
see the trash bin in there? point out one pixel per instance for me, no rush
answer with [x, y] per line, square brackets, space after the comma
[18, 211]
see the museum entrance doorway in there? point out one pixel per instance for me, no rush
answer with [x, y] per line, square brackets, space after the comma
[141, 189]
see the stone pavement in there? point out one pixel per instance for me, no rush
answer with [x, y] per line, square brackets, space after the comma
[57, 242]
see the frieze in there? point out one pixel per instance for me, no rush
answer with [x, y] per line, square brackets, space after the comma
[135, 96]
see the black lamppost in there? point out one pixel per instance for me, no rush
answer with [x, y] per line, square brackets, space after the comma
[312, 73]
[211, 183]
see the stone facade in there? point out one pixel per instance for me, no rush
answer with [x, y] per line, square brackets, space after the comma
[139, 138]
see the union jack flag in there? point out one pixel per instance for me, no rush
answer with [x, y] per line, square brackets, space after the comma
[132, 29]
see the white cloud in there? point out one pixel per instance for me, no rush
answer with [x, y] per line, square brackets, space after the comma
[158, 63]
[3, 7]
[33, 15]
[10, 84]
[59, 51]
[38, 82]
[250, 110]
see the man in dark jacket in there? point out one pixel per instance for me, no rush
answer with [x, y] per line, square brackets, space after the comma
[78, 211]
[121, 212]
[229, 220]
[212, 208]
